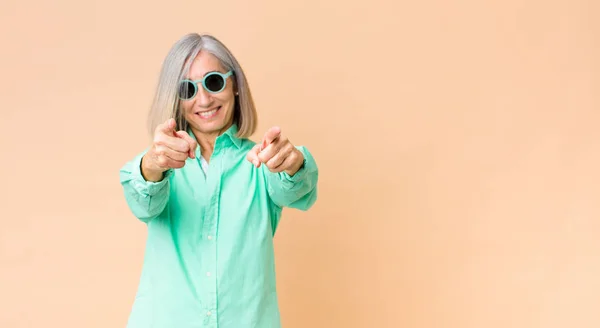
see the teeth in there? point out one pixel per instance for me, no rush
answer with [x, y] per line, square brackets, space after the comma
[209, 113]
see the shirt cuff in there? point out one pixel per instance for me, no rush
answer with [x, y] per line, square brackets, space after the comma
[145, 187]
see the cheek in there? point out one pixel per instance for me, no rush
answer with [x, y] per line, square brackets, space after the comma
[186, 106]
[227, 98]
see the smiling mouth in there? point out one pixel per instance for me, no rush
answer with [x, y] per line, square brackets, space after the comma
[209, 113]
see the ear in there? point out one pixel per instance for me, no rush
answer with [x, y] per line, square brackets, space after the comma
[235, 86]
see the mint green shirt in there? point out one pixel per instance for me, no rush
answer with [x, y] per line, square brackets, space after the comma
[209, 259]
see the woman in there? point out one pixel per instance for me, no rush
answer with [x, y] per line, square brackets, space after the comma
[210, 197]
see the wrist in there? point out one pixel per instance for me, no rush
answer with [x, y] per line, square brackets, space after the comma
[150, 173]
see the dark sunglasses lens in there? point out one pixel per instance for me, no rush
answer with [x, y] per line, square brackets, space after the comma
[187, 90]
[214, 83]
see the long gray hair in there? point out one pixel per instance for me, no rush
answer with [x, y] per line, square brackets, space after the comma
[166, 103]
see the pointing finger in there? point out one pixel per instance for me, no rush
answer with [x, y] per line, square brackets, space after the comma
[272, 134]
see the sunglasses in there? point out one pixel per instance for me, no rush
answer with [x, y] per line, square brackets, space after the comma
[212, 82]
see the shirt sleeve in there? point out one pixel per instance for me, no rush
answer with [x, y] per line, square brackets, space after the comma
[298, 191]
[146, 199]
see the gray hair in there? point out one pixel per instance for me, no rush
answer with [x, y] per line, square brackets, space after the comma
[166, 103]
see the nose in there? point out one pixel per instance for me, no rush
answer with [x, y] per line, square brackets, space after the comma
[203, 98]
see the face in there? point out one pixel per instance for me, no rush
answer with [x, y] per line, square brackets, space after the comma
[206, 112]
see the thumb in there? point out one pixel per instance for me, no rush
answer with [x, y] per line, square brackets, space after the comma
[193, 144]
[272, 134]
[252, 155]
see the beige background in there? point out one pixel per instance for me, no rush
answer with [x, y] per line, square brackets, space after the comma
[457, 145]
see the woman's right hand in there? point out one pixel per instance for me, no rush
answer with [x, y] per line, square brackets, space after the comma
[169, 150]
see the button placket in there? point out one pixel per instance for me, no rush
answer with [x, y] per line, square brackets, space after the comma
[209, 247]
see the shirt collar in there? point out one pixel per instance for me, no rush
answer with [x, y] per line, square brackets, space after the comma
[231, 133]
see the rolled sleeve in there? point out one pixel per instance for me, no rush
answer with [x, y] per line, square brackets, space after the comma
[146, 199]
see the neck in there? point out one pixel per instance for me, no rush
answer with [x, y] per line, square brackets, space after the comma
[207, 141]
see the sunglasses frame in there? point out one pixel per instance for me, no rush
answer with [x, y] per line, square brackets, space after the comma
[203, 82]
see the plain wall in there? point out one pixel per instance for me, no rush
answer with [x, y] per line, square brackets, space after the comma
[457, 143]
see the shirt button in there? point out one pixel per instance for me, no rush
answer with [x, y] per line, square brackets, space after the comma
[208, 274]
[209, 237]
[208, 313]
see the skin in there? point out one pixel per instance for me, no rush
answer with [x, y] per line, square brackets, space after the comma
[171, 148]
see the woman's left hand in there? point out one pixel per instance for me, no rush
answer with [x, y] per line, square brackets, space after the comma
[277, 153]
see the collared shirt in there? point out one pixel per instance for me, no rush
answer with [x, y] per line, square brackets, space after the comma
[209, 259]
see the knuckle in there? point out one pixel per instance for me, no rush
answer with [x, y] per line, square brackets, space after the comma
[185, 146]
[275, 159]
[159, 139]
[160, 151]
[162, 161]
[274, 162]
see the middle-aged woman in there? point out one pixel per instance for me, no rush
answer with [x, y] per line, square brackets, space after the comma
[210, 197]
